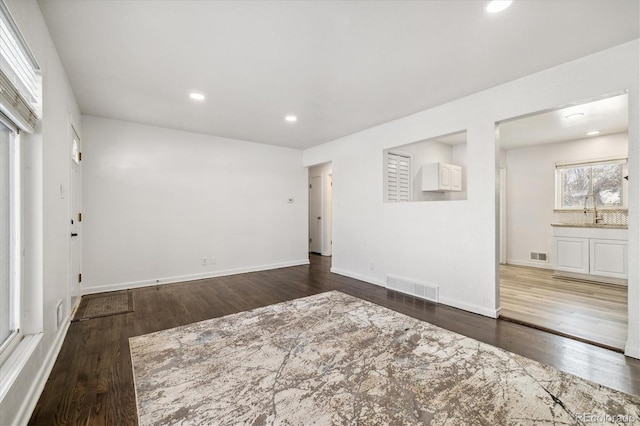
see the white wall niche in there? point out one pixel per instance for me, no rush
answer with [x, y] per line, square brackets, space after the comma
[448, 149]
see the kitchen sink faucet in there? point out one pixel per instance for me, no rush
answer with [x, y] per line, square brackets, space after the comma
[597, 218]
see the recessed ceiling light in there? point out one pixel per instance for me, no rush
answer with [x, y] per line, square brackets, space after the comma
[593, 133]
[574, 115]
[497, 6]
[196, 96]
[291, 118]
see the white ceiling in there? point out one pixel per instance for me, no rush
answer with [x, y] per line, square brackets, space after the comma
[608, 115]
[340, 66]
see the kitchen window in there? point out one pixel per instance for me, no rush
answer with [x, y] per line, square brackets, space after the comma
[581, 184]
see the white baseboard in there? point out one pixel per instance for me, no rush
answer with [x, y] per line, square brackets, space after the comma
[359, 277]
[191, 277]
[632, 351]
[469, 307]
[541, 265]
[491, 313]
[589, 277]
[23, 414]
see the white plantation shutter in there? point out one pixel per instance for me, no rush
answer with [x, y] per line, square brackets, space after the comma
[398, 170]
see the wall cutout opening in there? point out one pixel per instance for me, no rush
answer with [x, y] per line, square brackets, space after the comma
[563, 213]
[433, 169]
[320, 209]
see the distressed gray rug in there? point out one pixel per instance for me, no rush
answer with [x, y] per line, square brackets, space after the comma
[335, 359]
[102, 305]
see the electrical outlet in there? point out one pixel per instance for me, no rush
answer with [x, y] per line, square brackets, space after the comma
[213, 260]
[204, 261]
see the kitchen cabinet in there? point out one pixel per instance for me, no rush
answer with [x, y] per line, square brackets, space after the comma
[441, 177]
[608, 258]
[590, 251]
[572, 254]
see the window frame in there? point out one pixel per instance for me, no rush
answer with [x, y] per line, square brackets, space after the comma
[8, 345]
[559, 166]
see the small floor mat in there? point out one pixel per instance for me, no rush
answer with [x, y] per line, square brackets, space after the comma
[104, 305]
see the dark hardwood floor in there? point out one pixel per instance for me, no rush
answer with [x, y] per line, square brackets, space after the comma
[92, 383]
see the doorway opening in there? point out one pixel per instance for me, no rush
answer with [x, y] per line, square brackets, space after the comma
[563, 220]
[75, 219]
[320, 209]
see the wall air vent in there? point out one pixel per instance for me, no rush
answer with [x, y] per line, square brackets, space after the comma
[540, 257]
[412, 287]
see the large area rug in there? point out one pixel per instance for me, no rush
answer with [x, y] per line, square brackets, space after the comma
[336, 359]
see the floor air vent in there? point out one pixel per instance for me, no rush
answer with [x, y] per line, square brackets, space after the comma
[414, 288]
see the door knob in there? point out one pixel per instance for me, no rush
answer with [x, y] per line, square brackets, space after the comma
[318, 218]
[74, 234]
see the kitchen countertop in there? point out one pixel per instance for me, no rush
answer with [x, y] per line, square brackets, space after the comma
[590, 225]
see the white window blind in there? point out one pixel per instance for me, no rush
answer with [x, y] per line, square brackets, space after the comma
[20, 86]
[398, 177]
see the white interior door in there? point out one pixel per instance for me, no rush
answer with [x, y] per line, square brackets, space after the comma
[315, 214]
[75, 204]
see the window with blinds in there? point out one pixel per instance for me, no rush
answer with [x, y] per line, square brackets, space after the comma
[20, 94]
[20, 88]
[398, 177]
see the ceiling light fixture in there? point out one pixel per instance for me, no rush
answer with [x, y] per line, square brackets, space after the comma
[196, 96]
[291, 118]
[497, 6]
[574, 115]
[593, 133]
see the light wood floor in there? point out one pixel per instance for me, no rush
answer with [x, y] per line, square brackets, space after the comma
[588, 311]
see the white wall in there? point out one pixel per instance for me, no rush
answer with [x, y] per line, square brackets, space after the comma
[531, 191]
[158, 201]
[325, 172]
[454, 244]
[46, 158]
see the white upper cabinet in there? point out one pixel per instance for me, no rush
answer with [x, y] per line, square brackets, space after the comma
[441, 177]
